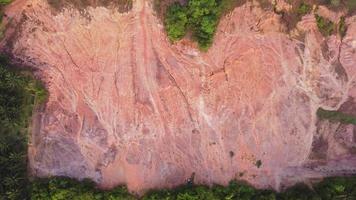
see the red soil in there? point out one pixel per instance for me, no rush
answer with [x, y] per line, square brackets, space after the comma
[128, 107]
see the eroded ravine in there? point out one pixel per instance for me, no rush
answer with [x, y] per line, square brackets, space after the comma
[128, 107]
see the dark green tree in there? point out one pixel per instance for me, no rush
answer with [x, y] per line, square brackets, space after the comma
[176, 22]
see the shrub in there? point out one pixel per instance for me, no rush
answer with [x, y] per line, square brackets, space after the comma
[336, 116]
[304, 9]
[5, 2]
[342, 27]
[325, 26]
[62, 188]
[351, 5]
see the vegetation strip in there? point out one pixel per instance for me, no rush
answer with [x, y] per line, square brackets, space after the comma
[64, 188]
[19, 94]
[336, 116]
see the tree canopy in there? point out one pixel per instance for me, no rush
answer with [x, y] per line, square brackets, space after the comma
[199, 16]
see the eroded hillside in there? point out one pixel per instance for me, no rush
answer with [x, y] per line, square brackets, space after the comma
[128, 107]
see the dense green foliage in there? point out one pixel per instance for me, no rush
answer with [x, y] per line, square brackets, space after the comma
[5, 2]
[65, 188]
[61, 188]
[336, 116]
[204, 16]
[199, 16]
[18, 95]
[325, 26]
[234, 190]
[176, 21]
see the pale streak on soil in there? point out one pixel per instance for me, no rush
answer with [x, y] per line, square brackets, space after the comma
[128, 107]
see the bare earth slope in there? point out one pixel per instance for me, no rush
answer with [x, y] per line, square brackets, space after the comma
[128, 107]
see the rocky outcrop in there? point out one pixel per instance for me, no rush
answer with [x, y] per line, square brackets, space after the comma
[128, 107]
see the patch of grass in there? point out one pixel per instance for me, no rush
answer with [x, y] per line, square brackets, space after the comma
[203, 20]
[63, 188]
[351, 6]
[336, 116]
[292, 17]
[157, 5]
[304, 9]
[342, 28]
[229, 5]
[335, 3]
[5, 2]
[325, 26]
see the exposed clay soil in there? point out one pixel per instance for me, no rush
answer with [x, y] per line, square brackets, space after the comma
[127, 107]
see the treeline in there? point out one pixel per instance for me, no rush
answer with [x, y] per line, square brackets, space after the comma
[64, 188]
[19, 93]
[200, 17]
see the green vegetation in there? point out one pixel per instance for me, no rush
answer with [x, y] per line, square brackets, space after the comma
[176, 21]
[292, 17]
[342, 27]
[61, 188]
[201, 17]
[234, 190]
[325, 26]
[18, 96]
[64, 188]
[336, 116]
[5, 2]
[351, 5]
[304, 9]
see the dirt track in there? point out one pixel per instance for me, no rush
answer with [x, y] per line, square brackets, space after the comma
[126, 106]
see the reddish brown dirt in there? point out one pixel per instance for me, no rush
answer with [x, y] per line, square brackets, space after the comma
[128, 107]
